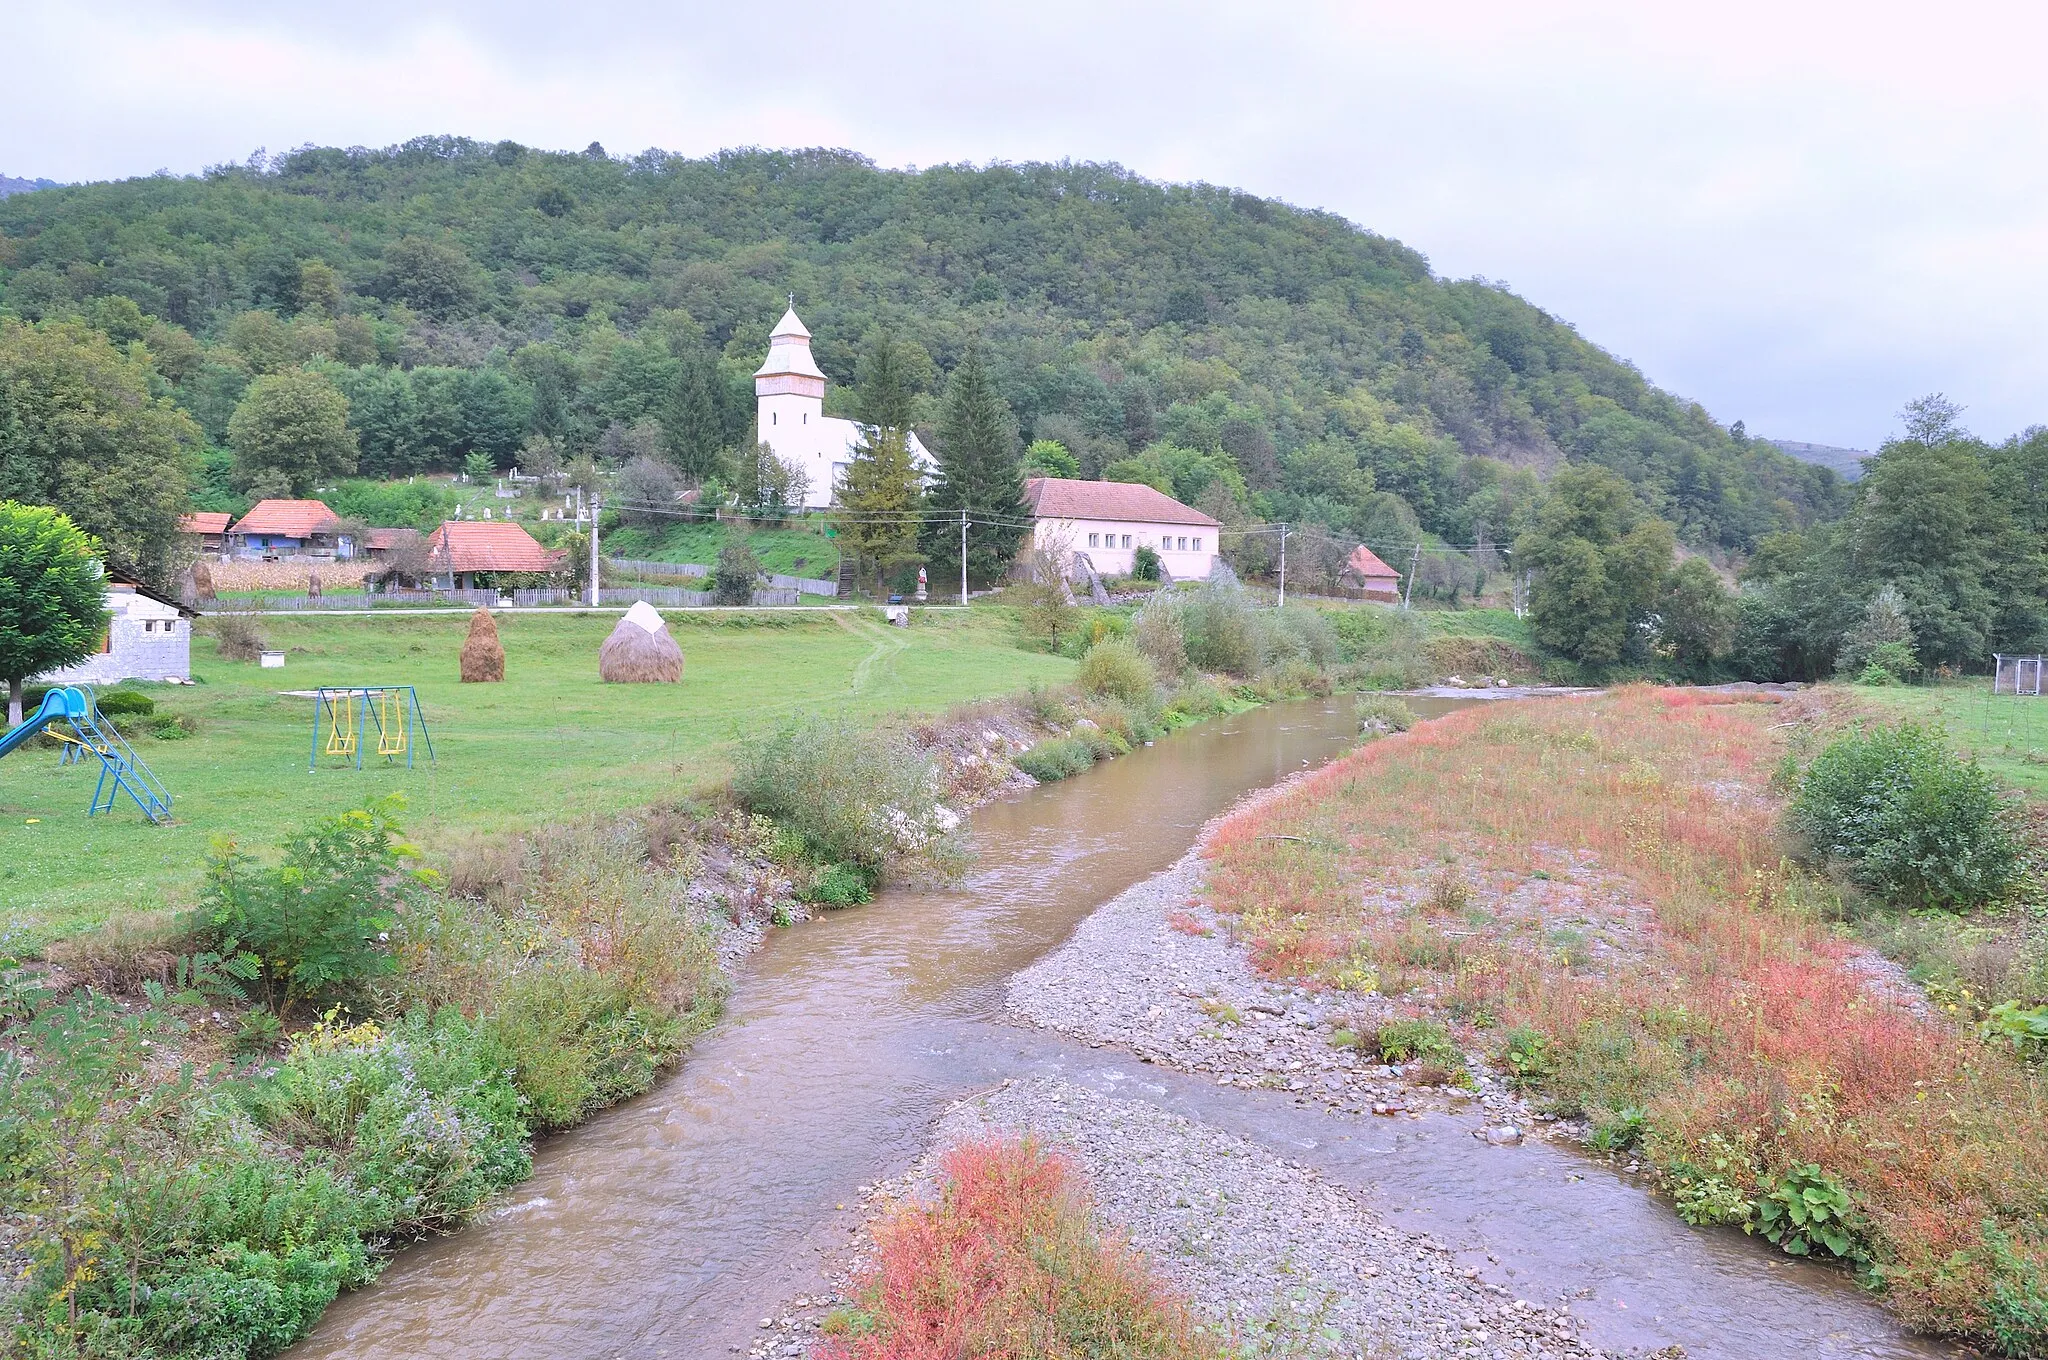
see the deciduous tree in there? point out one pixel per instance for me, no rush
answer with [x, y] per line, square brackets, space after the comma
[52, 596]
[296, 426]
[81, 430]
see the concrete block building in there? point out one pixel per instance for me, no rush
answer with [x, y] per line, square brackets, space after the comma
[148, 637]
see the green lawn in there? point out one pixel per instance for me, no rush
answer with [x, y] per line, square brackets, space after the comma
[2008, 735]
[786, 552]
[551, 742]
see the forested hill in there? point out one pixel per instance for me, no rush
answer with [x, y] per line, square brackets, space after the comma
[467, 295]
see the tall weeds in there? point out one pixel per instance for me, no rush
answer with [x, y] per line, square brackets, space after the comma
[1008, 1263]
[1742, 1044]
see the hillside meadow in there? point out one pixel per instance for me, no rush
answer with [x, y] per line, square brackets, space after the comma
[550, 743]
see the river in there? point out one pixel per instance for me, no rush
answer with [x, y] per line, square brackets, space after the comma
[669, 1225]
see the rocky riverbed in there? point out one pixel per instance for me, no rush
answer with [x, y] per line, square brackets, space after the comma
[1153, 972]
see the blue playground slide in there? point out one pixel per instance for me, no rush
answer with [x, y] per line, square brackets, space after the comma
[121, 770]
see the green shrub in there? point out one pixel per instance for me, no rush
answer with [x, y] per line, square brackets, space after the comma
[1401, 1041]
[1298, 634]
[1056, 759]
[125, 702]
[2023, 1028]
[1916, 824]
[840, 885]
[1157, 631]
[1144, 564]
[1193, 700]
[1894, 658]
[1876, 676]
[425, 1118]
[1383, 648]
[1116, 668]
[172, 726]
[1805, 1209]
[732, 579]
[1378, 713]
[1619, 1130]
[578, 1040]
[1219, 630]
[1527, 1054]
[1047, 705]
[857, 796]
[320, 921]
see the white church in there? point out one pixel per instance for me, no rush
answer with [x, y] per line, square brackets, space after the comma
[789, 391]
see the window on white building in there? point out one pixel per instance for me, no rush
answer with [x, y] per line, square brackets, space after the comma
[1183, 545]
[1197, 542]
[1095, 540]
[1127, 540]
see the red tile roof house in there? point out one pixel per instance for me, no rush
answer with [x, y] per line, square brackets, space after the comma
[210, 527]
[1364, 571]
[464, 549]
[1110, 521]
[290, 529]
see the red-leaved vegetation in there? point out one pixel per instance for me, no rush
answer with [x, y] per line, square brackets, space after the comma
[1730, 1023]
[1008, 1266]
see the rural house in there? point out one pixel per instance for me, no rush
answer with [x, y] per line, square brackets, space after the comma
[462, 550]
[789, 394]
[1364, 571]
[148, 637]
[210, 527]
[276, 529]
[1107, 522]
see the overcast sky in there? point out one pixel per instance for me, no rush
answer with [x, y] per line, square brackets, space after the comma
[1800, 214]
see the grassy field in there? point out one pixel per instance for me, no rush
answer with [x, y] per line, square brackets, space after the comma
[548, 744]
[787, 552]
[2008, 735]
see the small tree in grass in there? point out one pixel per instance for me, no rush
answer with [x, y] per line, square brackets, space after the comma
[732, 579]
[52, 600]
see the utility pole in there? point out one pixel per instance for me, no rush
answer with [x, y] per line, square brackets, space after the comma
[1284, 531]
[963, 557]
[593, 550]
[1414, 561]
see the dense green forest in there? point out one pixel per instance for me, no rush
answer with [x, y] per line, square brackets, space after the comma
[1263, 360]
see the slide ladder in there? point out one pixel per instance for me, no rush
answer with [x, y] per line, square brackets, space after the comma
[121, 770]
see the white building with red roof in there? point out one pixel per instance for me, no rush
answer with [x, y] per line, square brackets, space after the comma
[290, 528]
[1110, 521]
[462, 549]
[789, 397]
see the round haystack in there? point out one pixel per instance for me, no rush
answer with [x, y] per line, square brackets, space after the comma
[202, 583]
[312, 585]
[483, 656]
[640, 651]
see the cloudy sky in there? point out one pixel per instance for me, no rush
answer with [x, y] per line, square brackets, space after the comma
[1801, 214]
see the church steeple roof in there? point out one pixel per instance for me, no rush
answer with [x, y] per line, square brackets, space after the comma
[789, 355]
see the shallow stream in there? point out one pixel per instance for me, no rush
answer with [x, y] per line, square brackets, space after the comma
[670, 1225]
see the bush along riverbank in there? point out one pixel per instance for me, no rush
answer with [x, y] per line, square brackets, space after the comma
[211, 1125]
[1644, 910]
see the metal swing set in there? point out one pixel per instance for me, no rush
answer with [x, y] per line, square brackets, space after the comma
[349, 719]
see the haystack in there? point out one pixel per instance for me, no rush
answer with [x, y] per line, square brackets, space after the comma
[312, 585]
[483, 656]
[202, 584]
[640, 651]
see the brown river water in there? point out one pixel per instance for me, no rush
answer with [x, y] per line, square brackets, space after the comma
[670, 1225]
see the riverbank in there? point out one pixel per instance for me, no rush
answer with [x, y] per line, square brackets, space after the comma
[1591, 899]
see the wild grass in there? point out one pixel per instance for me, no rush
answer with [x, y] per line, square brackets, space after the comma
[548, 744]
[1008, 1262]
[1742, 1047]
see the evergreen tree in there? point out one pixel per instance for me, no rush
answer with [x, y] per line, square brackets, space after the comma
[879, 500]
[694, 420]
[979, 472]
[881, 392]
